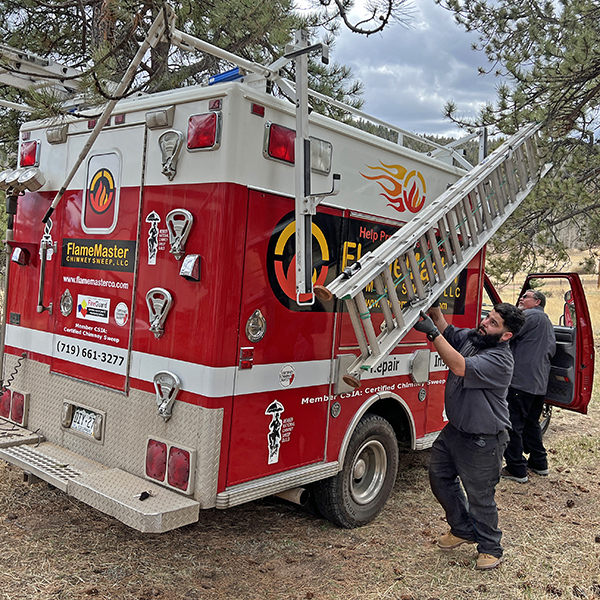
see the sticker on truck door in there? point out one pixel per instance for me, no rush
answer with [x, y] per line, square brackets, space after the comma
[100, 254]
[274, 436]
[91, 308]
[103, 184]
[403, 189]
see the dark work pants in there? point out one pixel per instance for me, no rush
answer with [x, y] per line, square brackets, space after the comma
[526, 435]
[475, 461]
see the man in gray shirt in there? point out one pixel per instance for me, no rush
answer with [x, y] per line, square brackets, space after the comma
[533, 348]
[469, 449]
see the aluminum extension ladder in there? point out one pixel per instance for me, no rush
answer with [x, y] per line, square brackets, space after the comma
[434, 248]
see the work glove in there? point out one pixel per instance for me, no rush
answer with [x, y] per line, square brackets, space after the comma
[426, 326]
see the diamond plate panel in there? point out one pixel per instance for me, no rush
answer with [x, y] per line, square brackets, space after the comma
[117, 493]
[50, 463]
[130, 420]
[259, 488]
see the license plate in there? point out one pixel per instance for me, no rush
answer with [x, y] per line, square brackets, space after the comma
[83, 420]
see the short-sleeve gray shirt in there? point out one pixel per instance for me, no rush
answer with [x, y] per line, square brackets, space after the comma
[476, 403]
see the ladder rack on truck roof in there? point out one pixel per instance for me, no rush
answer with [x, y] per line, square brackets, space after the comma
[25, 70]
[35, 71]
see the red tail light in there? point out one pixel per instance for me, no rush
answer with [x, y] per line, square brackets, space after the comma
[29, 154]
[179, 468]
[5, 404]
[14, 406]
[156, 460]
[204, 131]
[17, 408]
[280, 143]
[171, 465]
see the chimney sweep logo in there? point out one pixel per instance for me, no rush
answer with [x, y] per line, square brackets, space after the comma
[101, 193]
[403, 189]
[281, 259]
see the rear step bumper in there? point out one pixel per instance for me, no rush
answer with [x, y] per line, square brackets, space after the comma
[111, 491]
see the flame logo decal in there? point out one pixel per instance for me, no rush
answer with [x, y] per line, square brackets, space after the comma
[102, 191]
[402, 188]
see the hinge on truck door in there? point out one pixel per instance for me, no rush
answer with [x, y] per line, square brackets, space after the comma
[170, 143]
[167, 387]
[179, 222]
[159, 303]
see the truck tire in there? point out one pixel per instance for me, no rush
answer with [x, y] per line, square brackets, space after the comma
[356, 495]
[545, 418]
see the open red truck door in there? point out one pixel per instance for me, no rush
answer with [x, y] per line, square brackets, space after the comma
[572, 372]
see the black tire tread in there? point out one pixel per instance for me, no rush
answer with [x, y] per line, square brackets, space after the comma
[329, 493]
[545, 423]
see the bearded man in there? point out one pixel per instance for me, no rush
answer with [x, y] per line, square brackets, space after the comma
[469, 449]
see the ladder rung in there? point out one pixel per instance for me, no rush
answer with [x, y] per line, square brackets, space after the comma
[535, 140]
[531, 150]
[393, 297]
[427, 258]
[476, 211]
[499, 196]
[416, 274]
[521, 167]
[511, 179]
[444, 243]
[485, 207]
[357, 326]
[365, 317]
[462, 224]
[383, 302]
[490, 195]
[437, 257]
[470, 220]
[407, 280]
[502, 184]
[452, 225]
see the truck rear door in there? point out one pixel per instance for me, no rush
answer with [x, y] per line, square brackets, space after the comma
[96, 247]
[572, 372]
[282, 385]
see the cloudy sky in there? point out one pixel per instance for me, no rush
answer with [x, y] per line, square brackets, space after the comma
[409, 74]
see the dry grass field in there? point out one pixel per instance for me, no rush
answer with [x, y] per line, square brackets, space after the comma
[54, 547]
[555, 292]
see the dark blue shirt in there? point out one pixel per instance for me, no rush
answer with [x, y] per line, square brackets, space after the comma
[532, 349]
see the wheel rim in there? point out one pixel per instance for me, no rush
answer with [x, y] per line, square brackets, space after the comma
[545, 418]
[368, 472]
[546, 413]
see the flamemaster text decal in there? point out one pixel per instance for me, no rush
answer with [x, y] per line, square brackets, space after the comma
[105, 255]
